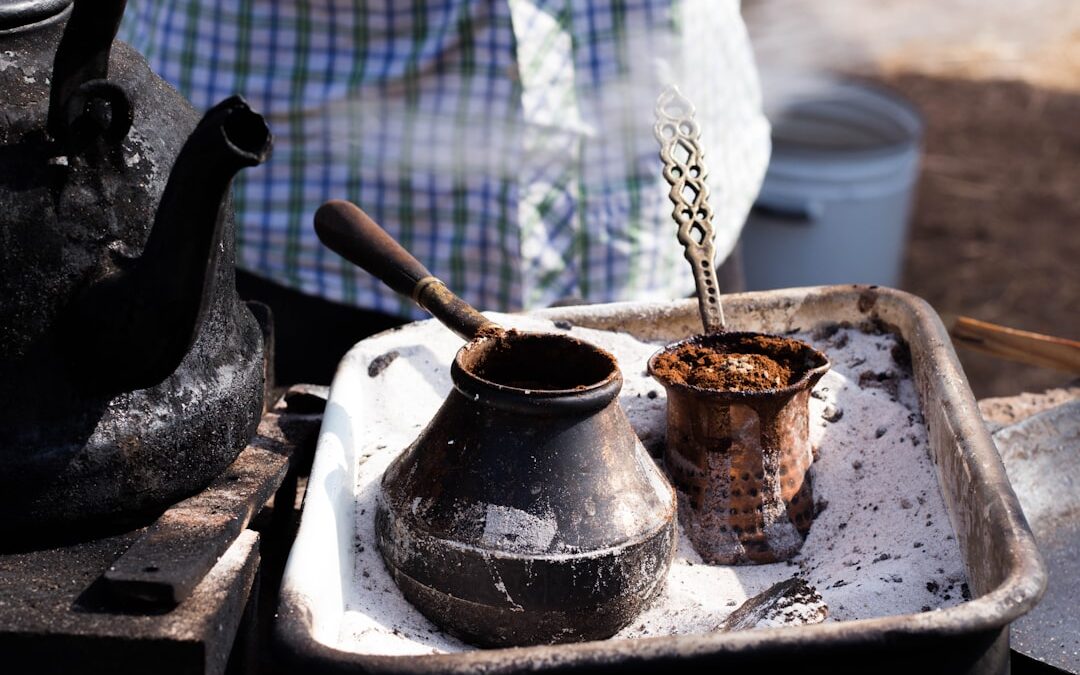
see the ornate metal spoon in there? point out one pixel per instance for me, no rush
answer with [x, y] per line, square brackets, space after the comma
[684, 170]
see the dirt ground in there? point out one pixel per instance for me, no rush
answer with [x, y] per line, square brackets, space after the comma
[996, 231]
[996, 228]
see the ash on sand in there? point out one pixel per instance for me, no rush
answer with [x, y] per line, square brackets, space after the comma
[881, 543]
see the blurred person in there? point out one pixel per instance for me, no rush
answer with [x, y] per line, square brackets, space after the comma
[507, 144]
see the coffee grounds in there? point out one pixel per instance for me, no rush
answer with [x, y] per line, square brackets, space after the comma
[711, 368]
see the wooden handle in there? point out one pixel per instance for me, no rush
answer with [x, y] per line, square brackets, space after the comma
[352, 234]
[1017, 345]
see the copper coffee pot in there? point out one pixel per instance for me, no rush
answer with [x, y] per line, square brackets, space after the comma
[738, 454]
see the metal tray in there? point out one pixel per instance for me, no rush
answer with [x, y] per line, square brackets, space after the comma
[1004, 569]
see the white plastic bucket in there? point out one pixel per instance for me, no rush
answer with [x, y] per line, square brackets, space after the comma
[837, 196]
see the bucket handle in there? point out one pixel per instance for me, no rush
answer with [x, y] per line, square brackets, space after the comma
[790, 212]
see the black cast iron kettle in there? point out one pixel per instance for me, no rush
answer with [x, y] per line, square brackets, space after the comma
[130, 373]
[527, 512]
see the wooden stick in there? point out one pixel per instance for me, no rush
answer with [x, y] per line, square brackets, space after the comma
[1017, 345]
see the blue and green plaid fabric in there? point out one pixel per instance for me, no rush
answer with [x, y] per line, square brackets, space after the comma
[506, 143]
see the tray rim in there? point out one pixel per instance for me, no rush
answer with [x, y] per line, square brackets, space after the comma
[991, 611]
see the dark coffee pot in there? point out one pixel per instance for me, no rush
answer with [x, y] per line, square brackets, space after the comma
[527, 511]
[130, 372]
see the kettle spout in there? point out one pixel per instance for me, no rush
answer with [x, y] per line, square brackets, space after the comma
[131, 329]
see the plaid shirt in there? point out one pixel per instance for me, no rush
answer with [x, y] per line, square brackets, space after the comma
[506, 143]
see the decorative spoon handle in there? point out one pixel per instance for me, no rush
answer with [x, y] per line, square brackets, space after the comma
[684, 170]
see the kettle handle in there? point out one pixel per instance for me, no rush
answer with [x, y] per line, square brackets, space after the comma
[352, 234]
[80, 74]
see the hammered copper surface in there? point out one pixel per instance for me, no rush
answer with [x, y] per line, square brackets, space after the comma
[740, 462]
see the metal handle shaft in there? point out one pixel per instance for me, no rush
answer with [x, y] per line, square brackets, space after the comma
[684, 170]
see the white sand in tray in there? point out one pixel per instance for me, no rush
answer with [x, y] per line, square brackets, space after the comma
[880, 545]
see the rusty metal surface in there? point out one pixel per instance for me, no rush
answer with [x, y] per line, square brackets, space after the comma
[1004, 567]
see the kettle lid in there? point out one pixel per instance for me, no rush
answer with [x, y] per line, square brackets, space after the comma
[19, 13]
